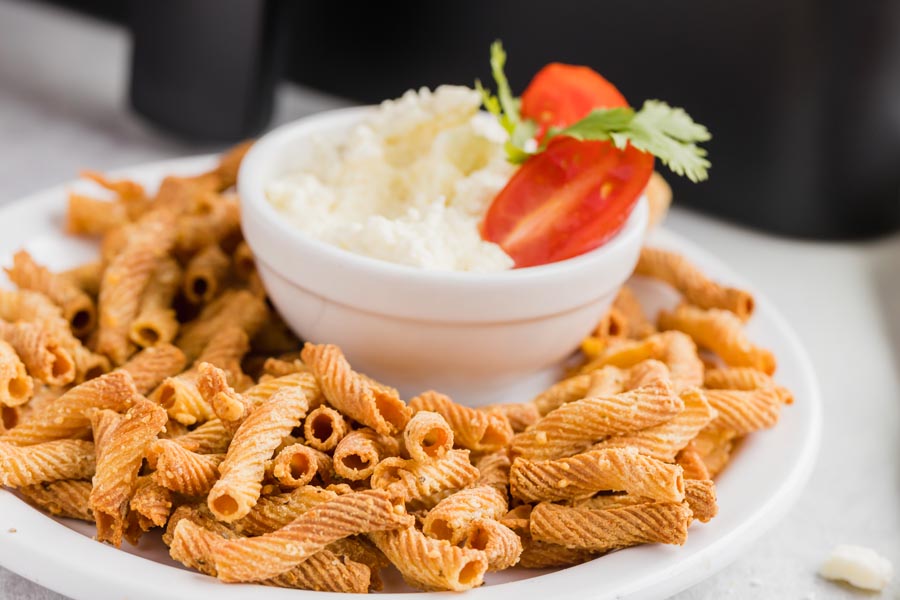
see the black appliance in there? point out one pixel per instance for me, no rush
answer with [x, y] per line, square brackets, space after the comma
[802, 97]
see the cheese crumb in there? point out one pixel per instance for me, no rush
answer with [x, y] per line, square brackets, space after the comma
[409, 184]
[860, 567]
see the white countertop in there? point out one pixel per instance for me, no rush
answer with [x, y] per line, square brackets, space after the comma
[62, 108]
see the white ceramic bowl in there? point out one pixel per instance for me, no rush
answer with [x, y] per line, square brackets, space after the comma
[481, 337]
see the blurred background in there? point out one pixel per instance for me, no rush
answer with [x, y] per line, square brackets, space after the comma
[802, 97]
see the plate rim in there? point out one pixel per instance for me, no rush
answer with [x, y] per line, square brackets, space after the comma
[33, 558]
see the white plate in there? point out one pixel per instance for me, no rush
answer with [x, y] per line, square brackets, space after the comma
[755, 491]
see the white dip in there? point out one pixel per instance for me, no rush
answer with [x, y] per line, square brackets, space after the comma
[410, 184]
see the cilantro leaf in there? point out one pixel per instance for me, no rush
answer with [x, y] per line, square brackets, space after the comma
[505, 107]
[517, 150]
[598, 125]
[488, 100]
[504, 94]
[667, 133]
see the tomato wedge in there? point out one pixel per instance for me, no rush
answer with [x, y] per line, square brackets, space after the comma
[561, 94]
[567, 200]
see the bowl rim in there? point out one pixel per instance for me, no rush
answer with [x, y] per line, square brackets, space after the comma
[252, 191]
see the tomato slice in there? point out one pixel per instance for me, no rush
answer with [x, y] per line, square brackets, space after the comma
[561, 94]
[567, 200]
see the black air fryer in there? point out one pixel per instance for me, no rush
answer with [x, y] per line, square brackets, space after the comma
[802, 97]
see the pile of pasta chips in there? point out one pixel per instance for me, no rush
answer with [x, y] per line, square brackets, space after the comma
[155, 388]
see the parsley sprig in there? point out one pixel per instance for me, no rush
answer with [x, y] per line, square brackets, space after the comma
[667, 133]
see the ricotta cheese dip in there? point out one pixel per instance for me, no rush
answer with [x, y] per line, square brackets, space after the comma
[409, 184]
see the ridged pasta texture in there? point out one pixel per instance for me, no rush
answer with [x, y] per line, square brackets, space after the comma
[180, 470]
[16, 386]
[324, 428]
[68, 416]
[48, 461]
[151, 366]
[41, 352]
[358, 397]
[582, 475]
[410, 480]
[68, 498]
[451, 519]
[270, 554]
[431, 564]
[567, 390]
[472, 429]
[574, 426]
[77, 307]
[323, 571]
[600, 530]
[427, 437]
[156, 388]
[120, 452]
[241, 473]
[665, 440]
[719, 331]
[636, 324]
[696, 287]
[520, 416]
[360, 451]
[744, 412]
[501, 545]
[156, 322]
[123, 283]
[493, 470]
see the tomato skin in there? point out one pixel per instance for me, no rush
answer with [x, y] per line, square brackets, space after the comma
[561, 94]
[567, 200]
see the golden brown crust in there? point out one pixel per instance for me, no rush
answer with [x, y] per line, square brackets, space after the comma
[180, 470]
[16, 387]
[574, 426]
[501, 545]
[451, 519]
[77, 307]
[720, 331]
[67, 416]
[123, 283]
[47, 461]
[410, 480]
[744, 412]
[241, 473]
[324, 428]
[375, 406]
[205, 274]
[41, 351]
[64, 498]
[637, 325]
[582, 475]
[427, 437]
[155, 322]
[430, 564]
[358, 452]
[700, 495]
[520, 415]
[562, 392]
[472, 429]
[120, 452]
[268, 555]
[600, 530]
[151, 366]
[696, 287]
[665, 440]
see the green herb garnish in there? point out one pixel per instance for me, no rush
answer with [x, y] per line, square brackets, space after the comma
[667, 133]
